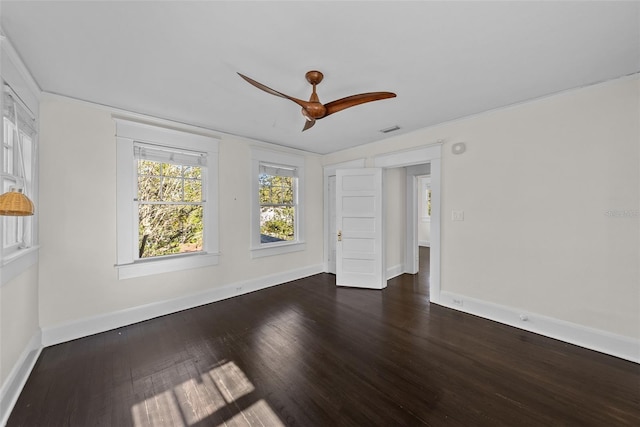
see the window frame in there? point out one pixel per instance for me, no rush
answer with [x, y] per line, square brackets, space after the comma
[24, 252]
[286, 160]
[128, 263]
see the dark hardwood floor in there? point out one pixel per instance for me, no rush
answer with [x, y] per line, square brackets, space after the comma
[307, 353]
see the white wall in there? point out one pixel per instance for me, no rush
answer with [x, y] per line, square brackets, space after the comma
[78, 280]
[395, 219]
[19, 319]
[535, 185]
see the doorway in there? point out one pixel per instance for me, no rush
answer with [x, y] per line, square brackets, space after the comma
[429, 154]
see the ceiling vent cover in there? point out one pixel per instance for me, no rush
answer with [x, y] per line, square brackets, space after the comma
[391, 129]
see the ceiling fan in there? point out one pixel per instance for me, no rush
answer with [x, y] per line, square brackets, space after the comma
[313, 109]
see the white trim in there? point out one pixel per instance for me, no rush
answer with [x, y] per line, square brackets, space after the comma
[17, 378]
[166, 265]
[128, 133]
[154, 134]
[395, 271]
[277, 249]
[428, 154]
[411, 157]
[17, 263]
[424, 243]
[434, 253]
[16, 74]
[328, 171]
[594, 339]
[79, 328]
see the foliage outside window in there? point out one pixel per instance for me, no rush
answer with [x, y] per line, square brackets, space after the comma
[170, 207]
[277, 191]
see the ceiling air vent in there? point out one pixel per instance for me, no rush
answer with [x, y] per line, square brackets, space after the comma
[391, 129]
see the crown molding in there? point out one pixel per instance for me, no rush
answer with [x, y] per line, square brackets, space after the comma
[17, 75]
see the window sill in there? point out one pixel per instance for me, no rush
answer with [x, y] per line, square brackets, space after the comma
[277, 249]
[166, 265]
[16, 263]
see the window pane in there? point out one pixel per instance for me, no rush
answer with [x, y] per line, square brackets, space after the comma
[277, 223]
[171, 170]
[192, 172]
[276, 190]
[8, 133]
[192, 190]
[172, 189]
[149, 188]
[147, 167]
[169, 229]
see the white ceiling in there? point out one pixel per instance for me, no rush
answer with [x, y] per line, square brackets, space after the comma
[445, 60]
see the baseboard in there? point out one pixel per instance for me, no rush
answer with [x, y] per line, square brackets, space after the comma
[95, 324]
[424, 243]
[594, 339]
[395, 271]
[18, 376]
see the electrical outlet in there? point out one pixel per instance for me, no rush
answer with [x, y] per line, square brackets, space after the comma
[457, 301]
[238, 288]
[457, 215]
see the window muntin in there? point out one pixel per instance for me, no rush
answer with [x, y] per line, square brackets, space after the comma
[277, 193]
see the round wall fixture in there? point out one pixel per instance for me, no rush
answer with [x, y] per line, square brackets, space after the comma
[458, 148]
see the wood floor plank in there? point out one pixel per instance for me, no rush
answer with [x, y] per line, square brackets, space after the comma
[308, 353]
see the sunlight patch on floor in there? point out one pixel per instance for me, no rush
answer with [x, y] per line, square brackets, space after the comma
[223, 392]
[258, 414]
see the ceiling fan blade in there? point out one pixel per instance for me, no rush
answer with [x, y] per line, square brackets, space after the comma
[353, 100]
[267, 89]
[308, 124]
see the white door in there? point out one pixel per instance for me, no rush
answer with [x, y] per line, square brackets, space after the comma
[360, 260]
[332, 224]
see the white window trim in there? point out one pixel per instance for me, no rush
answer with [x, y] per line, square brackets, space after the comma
[259, 249]
[15, 262]
[128, 265]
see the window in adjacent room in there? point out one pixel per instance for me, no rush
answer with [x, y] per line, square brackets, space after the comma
[167, 199]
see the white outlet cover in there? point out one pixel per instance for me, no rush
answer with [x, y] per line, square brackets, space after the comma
[457, 215]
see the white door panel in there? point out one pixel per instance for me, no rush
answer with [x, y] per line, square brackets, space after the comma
[360, 260]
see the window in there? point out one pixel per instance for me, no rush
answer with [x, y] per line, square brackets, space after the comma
[170, 203]
[18, 157]
[167, 200]
[425, 185]
[278, 183]
[277, 194]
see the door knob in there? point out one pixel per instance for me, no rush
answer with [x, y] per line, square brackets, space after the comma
[340, 236]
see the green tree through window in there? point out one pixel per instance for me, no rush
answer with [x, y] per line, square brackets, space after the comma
[170, 208]
[277, 207]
